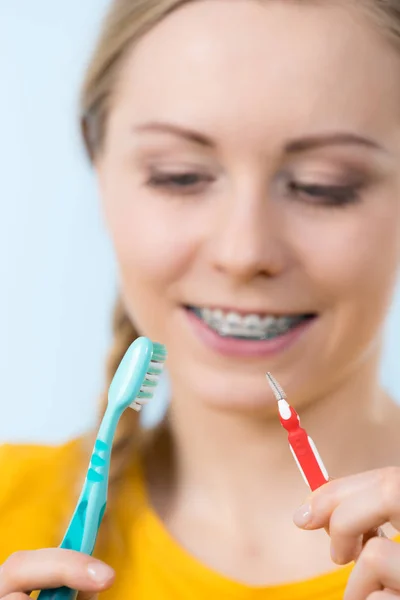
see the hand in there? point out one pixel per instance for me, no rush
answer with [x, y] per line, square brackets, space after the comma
[352, 509]
[40, 569]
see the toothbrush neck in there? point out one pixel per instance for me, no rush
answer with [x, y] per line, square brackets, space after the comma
[108, 426]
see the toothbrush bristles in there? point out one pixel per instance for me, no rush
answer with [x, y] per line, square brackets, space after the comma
[276, 388]
[151, 378]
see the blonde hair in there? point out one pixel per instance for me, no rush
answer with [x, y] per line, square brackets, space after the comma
[126, 23]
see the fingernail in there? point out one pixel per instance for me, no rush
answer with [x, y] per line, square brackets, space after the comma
[100, 572]
[302, 516]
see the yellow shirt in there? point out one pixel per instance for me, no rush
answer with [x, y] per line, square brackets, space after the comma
[37, 494]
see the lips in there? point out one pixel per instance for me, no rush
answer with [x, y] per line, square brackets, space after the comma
[228, 344]
[251, 326]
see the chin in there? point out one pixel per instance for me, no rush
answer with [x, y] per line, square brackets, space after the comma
[247, 393]
[228, 381]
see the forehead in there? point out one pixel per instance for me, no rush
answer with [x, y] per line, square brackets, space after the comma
[221, 64]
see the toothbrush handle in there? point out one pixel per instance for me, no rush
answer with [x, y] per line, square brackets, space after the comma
[73, 533]
[73, 540]
[84, 525]
[62, 593]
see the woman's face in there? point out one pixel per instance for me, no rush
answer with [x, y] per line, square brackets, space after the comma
[250, 180]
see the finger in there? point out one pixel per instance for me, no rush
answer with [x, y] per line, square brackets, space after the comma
[354, 522]
[376, 569]
[384, 595]
[16, 596]
[51, 568]
[353, 509]
[316, 511]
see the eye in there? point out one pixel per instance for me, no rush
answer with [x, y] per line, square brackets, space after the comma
[329, 195]
[184, 183]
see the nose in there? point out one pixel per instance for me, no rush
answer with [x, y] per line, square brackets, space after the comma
[246, 241]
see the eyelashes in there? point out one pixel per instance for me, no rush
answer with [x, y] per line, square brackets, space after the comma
[183, 183]
[327, 195]
[194, 183]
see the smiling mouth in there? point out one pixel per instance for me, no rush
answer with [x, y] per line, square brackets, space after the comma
[251, 326]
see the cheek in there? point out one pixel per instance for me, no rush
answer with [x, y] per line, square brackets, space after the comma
[145, 232]
[154, 245]
[354, 255]
[350, 261]
[146, 247]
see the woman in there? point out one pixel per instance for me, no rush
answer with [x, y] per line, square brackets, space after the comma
[248, 158]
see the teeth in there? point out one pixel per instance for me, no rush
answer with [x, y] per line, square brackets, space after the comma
[252, 321]
[251, 326]
[207, 314]
[233, 319]
[217, 314]
[268, 322]
[281, 323]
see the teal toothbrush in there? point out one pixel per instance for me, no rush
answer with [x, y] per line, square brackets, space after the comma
[133, 384]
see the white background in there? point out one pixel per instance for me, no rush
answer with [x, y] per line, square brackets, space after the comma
[56, 266]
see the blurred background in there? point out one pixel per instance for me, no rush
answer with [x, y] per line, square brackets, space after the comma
[56, 266]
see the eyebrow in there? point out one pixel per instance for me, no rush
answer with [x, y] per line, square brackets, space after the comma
[292, 147]
[177, 130]
[330, 139]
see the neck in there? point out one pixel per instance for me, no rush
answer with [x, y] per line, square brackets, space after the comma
[237, 464]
